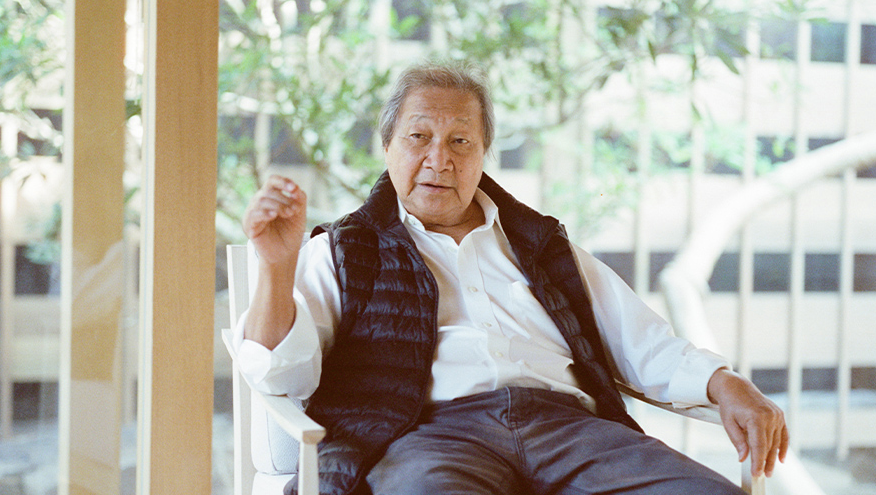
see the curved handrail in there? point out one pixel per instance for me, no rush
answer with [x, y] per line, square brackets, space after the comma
[684, 281]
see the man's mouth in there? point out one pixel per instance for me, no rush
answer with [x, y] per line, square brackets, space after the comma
[434, 186]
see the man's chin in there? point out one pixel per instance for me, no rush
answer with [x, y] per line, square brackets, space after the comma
[431, 209]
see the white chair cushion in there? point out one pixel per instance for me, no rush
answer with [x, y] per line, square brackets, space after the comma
[270, 484]
[273, 450]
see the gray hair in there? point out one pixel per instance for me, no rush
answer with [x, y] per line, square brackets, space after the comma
[453, 75]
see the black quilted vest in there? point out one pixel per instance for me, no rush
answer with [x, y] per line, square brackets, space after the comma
[375, 379]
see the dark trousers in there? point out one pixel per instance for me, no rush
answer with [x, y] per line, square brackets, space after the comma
[534, 442]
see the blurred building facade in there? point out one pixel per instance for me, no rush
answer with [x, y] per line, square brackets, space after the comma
[801, 279]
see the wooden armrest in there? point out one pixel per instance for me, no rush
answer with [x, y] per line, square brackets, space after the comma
[709, 413]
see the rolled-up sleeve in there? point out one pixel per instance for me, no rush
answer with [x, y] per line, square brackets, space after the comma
[644, 349]
[293, 367]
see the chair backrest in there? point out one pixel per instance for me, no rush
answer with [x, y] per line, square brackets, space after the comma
[260, 445]
[238, 301]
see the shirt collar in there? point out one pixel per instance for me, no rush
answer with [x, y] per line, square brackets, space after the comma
[491, 213]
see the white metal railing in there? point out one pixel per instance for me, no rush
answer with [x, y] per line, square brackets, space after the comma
[684, 281]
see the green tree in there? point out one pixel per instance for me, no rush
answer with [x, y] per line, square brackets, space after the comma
[307, 69]
[311, 74]
[31, 61]
[314, 68]
[30, 55]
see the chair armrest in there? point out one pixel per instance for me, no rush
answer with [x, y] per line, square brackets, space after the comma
[300, 427]
[286, 414]
[293, 420]
[709, 414]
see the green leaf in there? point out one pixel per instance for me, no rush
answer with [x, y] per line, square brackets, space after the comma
[728, 61]
[132, 108]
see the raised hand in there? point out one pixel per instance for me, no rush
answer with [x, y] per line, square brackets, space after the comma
[275, 220]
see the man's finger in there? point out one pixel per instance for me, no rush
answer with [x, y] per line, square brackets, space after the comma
[759, 446]
[255, 221]
[282, 195]
[770, 461]
[785, 443]
[284, 186]
[778, 450]
[737, 438]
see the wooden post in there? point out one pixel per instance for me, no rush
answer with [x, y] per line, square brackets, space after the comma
[175, 407]
[92, 250]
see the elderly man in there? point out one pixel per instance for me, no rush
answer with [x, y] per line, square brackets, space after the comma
[452, 340]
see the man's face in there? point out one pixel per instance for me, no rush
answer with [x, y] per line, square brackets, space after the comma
[436, 155]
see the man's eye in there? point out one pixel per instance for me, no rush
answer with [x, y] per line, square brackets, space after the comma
[417, 135]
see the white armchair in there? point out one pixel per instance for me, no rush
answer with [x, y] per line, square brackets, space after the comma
[274, 439]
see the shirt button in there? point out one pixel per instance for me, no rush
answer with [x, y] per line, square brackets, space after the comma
[487, 324]
[499, 354]
[472, 289]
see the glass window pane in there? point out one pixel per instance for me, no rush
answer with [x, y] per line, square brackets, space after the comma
[868, 44]
[865, 273]
[775, 149]
[517, 158]
[828, 42]
[658, 263]
[32, 40]
[822, 272]
[284, 149]
[621, 262]
[772, 272]
[35, 276]
[815, 143]
[725, 274]
[867, 173]
[778, 39]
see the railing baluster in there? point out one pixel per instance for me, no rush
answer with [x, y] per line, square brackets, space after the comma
[641, 241]
[746, 249]
[844, 366]
[846, 272]
[798, 268]
[795, 333]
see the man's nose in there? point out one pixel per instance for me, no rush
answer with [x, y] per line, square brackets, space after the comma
[438, 156]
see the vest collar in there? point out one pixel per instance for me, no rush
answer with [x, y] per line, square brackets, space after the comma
[529, 228]
[523, 226]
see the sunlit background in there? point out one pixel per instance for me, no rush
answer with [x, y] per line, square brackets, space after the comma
[724, 131]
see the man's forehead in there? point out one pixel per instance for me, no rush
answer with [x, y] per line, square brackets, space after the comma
[416, 117]
[426, 104]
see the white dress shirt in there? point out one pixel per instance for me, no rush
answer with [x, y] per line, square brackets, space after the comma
[492, 332]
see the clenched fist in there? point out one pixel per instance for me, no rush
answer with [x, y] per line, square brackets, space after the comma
[275, 220]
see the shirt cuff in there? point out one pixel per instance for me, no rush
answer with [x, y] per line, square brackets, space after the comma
[291, 368]
[690, 382]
